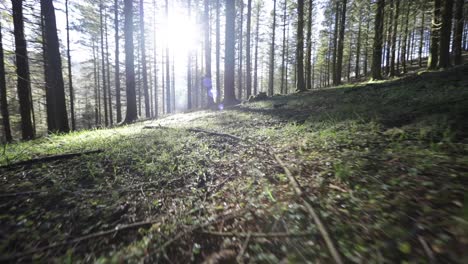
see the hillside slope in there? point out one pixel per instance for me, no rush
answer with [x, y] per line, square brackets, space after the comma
[383, 166]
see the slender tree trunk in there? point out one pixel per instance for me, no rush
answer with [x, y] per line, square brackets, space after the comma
[144, 72]
[189, 65]
[118, 102]
[286, 88]
[433, 59]
[155, 65]
[357, 71]
[241, 49]
[218, 52]
[366, 48]
[22, 71]
[389, 37]
[405, 38]
[458, 33]
[248, 51]
[54, 64]
[70, 77]
[229, 62]
[396, 13]
[378, 35]
[109, 97]
[168, 75]
[131, 114]
[272, 54]
[335, 39]
[3, 94]
[283, 53]
[339, 60]
[300, 82]
[308, 66]
[257, 39]
[209, 90]
[103, 62]
[421, 36]
[445, 34]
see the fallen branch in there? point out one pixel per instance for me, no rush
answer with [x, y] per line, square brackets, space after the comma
[257, 234]
[50, 158]
[79, 239]
[321, 226]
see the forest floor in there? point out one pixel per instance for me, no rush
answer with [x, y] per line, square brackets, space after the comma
[366, 173]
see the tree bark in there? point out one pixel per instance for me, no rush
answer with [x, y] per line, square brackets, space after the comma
[248, 51]
[272, 54]
[208, 90]
[168, 75]
[118, 103]
[229, 61]
[458, 33]
[300, 82]
[3, 94]
[377, 48]
[283, 53]
[54, 63]
[103, 61]
[70, 77]
[218, 52]
[396, 13]
[257, 38]
[308, 66]
[339, 60]
[433, 59]
[241, 49]
[131, 114]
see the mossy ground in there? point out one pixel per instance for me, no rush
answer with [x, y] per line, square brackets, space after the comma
[385, 165]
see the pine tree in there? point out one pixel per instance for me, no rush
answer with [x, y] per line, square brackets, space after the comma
[131, 114]
[229, 61]
[300, 82]
[378, 38]
[3, 93]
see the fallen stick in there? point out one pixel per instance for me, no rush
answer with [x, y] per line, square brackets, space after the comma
[50, 158]
[256, 234]
[321, 226]
[79, 239]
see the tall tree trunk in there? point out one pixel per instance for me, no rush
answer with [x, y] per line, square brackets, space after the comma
[405, 38]
[389, 38]
[131, 114]
[3, 94]
[218, 52]
[286, 79]
[272, 54]
[144, 72]
[257, 39]
[421, 36]
[300, 82]
[109, 97]
[458, 33]
[396, 13]
[209, 89]
[168, 75]
[70, 77]
[339, 59]
[103, 62]
[155, 65]
[241, 49]
[248, 51]
[118, 102]
[357, 71]
[283, 53]
[366, 48]
[54, 64]
[378, 35]
[445, 34]
[229, 61]
[335, 39]
[308, 66]
[433, 59]
[189, 65]
[22, 71]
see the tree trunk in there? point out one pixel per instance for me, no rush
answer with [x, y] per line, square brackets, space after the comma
[54, 64]
[70, 77]
[3, 94]
[218, 52]
[109, 97]
[257, 38]
[168, 75]
[300, 82]
[241, 49]
[131, 114]
[144, 72]
[283, 53]
[377, 48]
[155, 65]
[271, 72]
[118, 103]
[209, 89]
[339, 60]
[248, 53]
[445, 34]
[308, 66]
[22, 71]
[421, 37]
[357, 71]
[189, 65]
[405, 39]
[458, 33]
[433, 59]
[396, 13]
[103, 62]
[335, 39]
[229, 61]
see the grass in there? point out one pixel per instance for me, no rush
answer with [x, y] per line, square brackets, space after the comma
[385, 165]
